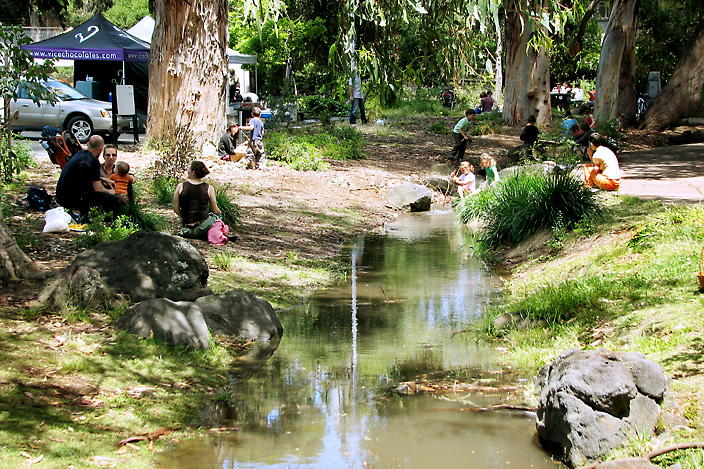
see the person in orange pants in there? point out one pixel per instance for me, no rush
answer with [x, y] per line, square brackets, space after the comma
[604, 171]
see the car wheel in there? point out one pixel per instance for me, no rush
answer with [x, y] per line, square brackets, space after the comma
[81, 127]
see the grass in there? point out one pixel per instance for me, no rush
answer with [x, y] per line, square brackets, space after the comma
[308, 149]
[69, 398]
[523, 204]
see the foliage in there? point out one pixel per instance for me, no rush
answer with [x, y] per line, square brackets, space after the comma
[620, 277]
[439, 128]
[17, 67]
[223, 260]
[176, 153]
[487, 123]
[307, 149]
[102, 231]
[322, 106]
[16, 159]
[298, 43]
[126, 13]
[163, 189]
[664, 32]
[527, 202]
[230, 212]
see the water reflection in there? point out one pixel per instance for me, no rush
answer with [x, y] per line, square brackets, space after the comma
[320, 400]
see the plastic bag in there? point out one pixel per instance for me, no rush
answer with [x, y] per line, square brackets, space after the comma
[218, 233]
[56, 220]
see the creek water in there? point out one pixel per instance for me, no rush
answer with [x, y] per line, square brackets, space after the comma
[324, 398]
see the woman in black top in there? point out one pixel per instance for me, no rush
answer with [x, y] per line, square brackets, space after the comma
[193, 202]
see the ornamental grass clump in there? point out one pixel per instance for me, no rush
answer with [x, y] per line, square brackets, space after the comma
[528, 202]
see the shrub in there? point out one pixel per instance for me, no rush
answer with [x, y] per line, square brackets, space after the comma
[527, 202]
[322, 106]
[307, 150]
[100, 231]
[14, 161]
[229, 211]
[176, 154]
[163, 188]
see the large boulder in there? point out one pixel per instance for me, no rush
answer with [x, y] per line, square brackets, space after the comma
[176, 323]
[145, 265]
[240, 313]
[410, 197]
[590, 401]
[82, 287]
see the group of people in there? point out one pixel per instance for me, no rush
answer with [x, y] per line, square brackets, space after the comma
[85, 183]
[253, 148]
[602, 172]
[486, 102]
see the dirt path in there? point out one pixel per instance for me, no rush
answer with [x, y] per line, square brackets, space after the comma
[670, 174]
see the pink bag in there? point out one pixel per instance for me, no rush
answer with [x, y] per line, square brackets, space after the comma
[217, 234]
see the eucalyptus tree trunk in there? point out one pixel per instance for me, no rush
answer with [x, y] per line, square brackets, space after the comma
[14, 263]
[527, 90]
[683, 95]
[499, 65]
[188, 70]
[615, 82]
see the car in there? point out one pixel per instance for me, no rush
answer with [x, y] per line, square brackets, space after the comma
[73, 111]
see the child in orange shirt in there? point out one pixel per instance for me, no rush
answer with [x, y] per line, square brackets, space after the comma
[122, 180]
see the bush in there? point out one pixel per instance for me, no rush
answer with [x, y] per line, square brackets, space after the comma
[176, 154]
[527, 202]
[307, 150]
[100, 231]
[14, 161]
[230, 212]
[163, 188]
[322, 107]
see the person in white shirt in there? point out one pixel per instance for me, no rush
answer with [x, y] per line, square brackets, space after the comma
[604, 172]
[577, 93]
[357, 100]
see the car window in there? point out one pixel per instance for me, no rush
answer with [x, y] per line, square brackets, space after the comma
[64, 91]
[22, 92]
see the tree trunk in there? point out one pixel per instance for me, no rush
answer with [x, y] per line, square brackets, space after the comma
[683, 94]
[527, 90]
[14, 263]
[188, 70]
[615, 82]
[499, 66]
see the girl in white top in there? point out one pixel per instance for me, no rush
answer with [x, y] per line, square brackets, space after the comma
[466, 181]
[604, 173]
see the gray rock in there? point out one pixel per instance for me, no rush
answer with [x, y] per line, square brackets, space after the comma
[410, 197]
[576, 431]
[79, 286]
[648, 375]
[441, 168]
[241, 314]
[440, 184]
[149, 265]
[176, 323]
[590, 400]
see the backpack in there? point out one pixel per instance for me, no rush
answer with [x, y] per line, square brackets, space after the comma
[38, 198]
[63, 147]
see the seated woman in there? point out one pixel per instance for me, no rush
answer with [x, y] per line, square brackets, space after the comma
[191, 201]
[604, 173]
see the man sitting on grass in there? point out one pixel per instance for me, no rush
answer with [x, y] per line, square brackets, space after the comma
[80, 187]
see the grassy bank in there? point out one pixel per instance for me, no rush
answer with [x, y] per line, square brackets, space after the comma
[628, 283]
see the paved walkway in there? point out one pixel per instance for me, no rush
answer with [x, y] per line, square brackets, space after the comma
[670, 174]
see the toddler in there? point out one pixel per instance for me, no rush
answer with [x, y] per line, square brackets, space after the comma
[466, 180]
[489, 164]
[123, 179]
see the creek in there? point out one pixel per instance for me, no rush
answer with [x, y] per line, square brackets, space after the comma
[324, 398]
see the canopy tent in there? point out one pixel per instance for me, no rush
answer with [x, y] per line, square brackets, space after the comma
[102, 51]
[145, 28]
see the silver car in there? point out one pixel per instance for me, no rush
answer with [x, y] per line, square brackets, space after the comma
[73, 111]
